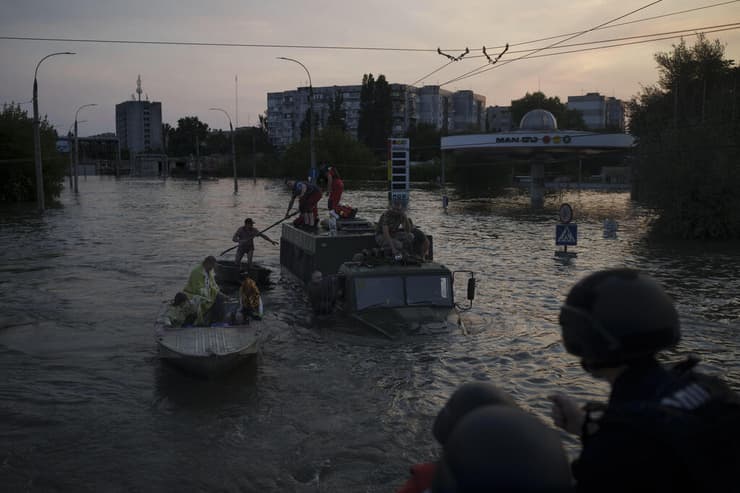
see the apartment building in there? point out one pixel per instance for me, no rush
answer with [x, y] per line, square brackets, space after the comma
[469, 111]
[139, 126]
[498, 119]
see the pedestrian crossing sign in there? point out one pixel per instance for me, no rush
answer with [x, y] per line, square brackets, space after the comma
[566, 234]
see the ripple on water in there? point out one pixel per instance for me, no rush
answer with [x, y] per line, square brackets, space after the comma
[319, 409]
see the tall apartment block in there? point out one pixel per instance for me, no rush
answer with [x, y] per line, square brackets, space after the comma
[139, 124]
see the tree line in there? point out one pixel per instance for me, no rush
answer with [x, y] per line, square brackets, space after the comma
[685, 166]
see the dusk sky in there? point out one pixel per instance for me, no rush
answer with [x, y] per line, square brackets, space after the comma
[190, 79]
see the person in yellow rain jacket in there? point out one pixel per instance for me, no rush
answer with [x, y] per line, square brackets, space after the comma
[204, 293]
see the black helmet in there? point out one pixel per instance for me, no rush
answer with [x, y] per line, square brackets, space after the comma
[618, 315]
[465, 399]
[500, 448]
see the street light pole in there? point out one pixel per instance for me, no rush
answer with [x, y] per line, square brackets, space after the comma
[37, 133]
[310, 112]
[77, 148]
[233, 147]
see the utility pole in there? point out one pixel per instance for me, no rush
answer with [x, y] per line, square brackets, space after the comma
[310, 112]
[37, 134]
[197, 156]
[233, 147]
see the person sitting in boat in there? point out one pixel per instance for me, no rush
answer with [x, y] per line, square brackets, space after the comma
[250, 300]
[308, 195]
[181, 311]
[394, 229]
[204, 293]
[245, 236]
[334, 187]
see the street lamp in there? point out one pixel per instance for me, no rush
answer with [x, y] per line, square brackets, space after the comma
[77, 148]
[37, 133]
[71, 154]
[310, 111]
[233, 147]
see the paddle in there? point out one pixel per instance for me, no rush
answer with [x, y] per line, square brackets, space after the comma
[269, 227]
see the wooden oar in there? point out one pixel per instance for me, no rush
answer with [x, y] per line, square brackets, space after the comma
[259, 233]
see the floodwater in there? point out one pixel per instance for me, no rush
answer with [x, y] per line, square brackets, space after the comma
[85, 405]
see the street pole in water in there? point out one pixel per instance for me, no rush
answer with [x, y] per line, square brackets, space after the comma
[37, 133]
[310, 112]
[233, 147]
[77, 147]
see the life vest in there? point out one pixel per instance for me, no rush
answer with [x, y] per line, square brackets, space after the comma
[345, 211]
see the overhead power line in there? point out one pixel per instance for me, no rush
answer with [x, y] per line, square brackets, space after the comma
[610, 26]
[581, 50]
[483, 68]
[323, 47]
[619, 24]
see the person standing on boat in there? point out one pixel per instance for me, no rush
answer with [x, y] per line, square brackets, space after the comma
[334, 187]
[308, 195]
[394, 229]
[204, 293]
[245, 236]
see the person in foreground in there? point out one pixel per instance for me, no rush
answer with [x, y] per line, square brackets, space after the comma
[465, 399]
[204, 293]
[245, 236]
[502, 448]
[664, 428]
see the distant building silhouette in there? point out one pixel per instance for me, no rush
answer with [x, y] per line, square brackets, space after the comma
[599, 112]
[139, 124]
[498, 119]
[449, 112]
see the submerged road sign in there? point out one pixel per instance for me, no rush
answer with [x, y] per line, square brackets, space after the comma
[566, 234]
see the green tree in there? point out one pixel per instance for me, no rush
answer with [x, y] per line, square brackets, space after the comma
[567, 119]
[425, 141]
[182, 139]
[376, 113]
[352, 158]
[688, 127]
[17, 165]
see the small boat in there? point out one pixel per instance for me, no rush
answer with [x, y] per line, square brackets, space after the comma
[208, 351]
[227, 272]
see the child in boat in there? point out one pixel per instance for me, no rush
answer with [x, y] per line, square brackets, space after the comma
[181, 311]
[250, 301]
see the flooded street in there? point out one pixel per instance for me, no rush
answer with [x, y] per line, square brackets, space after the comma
[85, 405]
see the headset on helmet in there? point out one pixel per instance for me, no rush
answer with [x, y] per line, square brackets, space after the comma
[618, 315]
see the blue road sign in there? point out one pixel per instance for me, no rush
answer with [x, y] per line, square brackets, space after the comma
[566, 234]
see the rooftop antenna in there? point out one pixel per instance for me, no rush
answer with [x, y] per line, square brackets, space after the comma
[138, 86]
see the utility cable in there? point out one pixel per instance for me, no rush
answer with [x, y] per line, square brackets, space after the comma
[569, 34]
[480, 69]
